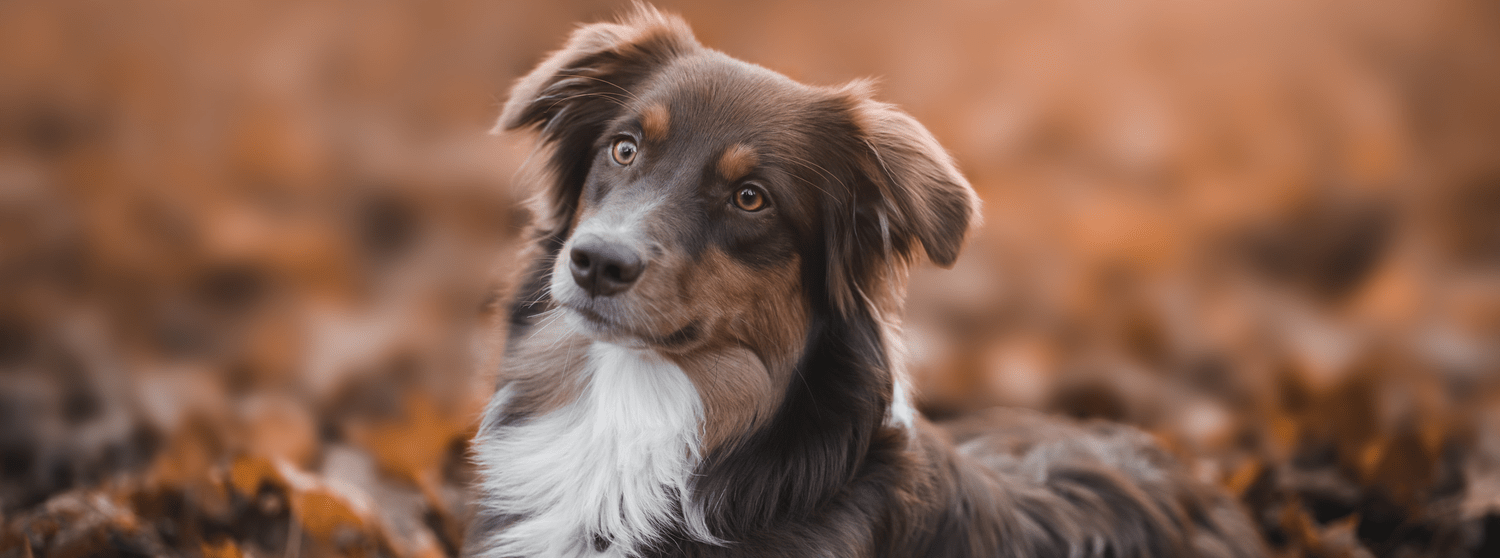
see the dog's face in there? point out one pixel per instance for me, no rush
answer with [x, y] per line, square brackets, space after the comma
[751, 236]
[692, 220]
[706, 201]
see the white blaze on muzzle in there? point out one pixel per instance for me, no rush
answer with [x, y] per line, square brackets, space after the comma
[610, 249]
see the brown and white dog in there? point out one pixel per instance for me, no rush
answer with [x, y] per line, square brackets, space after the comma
[703, 357]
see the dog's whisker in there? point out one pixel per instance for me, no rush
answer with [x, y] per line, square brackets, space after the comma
[611, 97]
[814, 168]
[545, 324]
[815, 186]
[541, 296]
[814, 165]
[623, 91]
[818, 171]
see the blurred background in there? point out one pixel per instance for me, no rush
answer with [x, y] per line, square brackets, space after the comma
[247, 251]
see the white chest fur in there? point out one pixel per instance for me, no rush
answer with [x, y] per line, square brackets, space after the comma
[614, 463]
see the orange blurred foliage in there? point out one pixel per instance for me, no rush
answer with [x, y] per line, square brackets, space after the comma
[248, 251]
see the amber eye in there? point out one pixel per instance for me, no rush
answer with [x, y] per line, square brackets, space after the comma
[750, 198]
[623, 151]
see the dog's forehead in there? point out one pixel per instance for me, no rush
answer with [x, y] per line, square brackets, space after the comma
[712, 96]
[709, 119]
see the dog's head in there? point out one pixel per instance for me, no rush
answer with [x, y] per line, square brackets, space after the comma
[706, 200]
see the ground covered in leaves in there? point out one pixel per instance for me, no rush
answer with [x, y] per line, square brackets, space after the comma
[248, 250]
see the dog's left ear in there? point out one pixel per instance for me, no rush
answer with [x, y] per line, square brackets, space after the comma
[922, 196]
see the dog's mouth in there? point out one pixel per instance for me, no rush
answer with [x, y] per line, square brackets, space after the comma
[612, 329]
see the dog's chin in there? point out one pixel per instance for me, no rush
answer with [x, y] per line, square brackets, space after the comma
[595, 327]
[599, 327]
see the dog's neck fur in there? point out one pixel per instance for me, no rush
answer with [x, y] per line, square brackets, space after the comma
[603, 474]
[592, 449]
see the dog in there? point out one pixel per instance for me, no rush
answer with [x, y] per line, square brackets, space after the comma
[703, 356]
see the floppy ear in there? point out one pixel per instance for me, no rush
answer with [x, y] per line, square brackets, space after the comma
[572, 95]
[922, 198]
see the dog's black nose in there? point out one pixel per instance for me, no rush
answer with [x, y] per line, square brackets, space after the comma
[604, 268]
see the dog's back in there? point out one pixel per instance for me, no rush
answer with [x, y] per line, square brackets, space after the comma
[1094, 486]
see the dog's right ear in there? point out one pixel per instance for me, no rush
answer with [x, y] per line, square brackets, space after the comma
[572, 95]
[595, 69]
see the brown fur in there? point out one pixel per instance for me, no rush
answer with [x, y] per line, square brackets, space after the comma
[786, 319]
[737, 161]
[656, 122]
[543, 374]
[740, 385]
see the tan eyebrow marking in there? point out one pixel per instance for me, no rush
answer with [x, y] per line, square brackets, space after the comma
[737, 161]
[654, 122]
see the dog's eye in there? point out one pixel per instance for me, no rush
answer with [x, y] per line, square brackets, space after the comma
[750, 198]
[623, 151]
